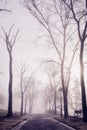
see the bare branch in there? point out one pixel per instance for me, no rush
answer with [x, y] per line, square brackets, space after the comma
[6, 10]
[9, 43]
[15, 37]
[74, 15]
[10, 30]
[69, 74]
[52, 61]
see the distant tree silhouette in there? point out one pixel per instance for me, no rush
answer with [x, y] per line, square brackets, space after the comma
[26, 87]
[52, 72]
[22, 70]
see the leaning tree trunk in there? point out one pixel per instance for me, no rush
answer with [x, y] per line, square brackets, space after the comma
[10, 113]
[84, 108]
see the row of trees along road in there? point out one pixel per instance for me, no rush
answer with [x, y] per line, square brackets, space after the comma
[27, 88]
[82, 34]
[58, 17]
[63, 20]
[26, 83]
[10, 40]
[51, 94]
[60, 13]
[9, 45]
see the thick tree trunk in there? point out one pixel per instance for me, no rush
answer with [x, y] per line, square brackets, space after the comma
[65, 105]
[64, 94]
[83, 83]
[10, 113]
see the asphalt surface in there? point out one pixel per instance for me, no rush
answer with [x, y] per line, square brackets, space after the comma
[42, 122]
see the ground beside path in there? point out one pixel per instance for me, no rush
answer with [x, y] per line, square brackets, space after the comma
[75, 123]
[9, 123]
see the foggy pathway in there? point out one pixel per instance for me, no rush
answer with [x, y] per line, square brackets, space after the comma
[42, 122]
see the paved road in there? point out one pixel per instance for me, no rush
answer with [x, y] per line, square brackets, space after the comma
[43, 122]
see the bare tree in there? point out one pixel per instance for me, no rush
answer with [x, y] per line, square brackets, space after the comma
[79, 14]
[64, 15]
[48, 99]
[32, 94]
[53, 15]
[22, 71]
[10, 42]
[54, 83]
[26, 86]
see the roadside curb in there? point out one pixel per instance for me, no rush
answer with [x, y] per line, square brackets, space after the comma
[18, 126]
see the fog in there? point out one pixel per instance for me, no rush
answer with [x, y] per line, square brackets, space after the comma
[29, 49]
[32, 48]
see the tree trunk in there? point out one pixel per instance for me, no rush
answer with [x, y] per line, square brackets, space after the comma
[64, 94]
[55, 112]
[10, 113]
[61, 103]
[83, 83]
[30, 107]
[25, 105]
[21, 113]
[65, 105]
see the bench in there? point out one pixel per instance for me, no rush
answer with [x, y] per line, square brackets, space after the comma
[77, 113]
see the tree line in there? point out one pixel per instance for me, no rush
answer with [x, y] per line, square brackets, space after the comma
[27, 83]
[59, 17]
[66, 26]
